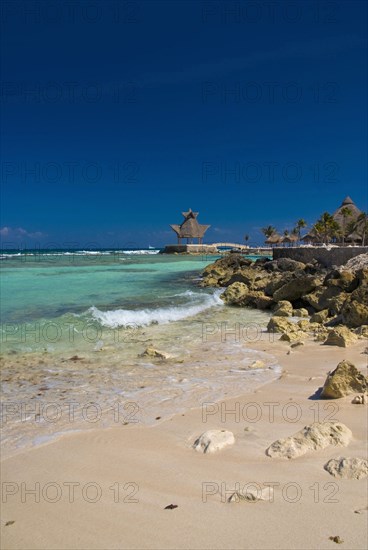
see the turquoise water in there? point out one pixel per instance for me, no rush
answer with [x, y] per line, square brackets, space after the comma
[47, 287]
[75, 327]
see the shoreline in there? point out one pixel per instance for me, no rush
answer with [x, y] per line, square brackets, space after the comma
[35, 422]
[162, 468]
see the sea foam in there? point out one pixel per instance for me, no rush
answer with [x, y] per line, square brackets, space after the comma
[197, 303]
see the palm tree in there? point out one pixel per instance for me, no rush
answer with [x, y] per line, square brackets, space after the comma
[360, 226]
[345, 212]
[298, 226]
[327, 227]
[268, 231]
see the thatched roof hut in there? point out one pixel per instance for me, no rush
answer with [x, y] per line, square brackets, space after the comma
[311, 237]
[360, 233]
[289, 239]
[273, 239]
[190, 228]
[343, 221]
[355, 212]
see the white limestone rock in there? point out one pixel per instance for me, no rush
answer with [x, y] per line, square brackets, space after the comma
[360, 399]
[347, 468]
[213, 440]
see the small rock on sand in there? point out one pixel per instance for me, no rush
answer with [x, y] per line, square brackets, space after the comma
[155, 353]
[258, 364]
[213, 440]
[360, 399]
[361, 510]
[253, 494]
[347, 468]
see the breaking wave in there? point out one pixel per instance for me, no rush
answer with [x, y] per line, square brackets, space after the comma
[197, 303]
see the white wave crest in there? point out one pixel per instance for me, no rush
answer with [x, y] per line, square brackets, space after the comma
[144, 317]
[140, 252]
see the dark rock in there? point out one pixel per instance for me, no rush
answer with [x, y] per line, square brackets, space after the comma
[284, 264]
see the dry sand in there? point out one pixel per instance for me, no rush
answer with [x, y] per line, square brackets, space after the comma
[155, 466]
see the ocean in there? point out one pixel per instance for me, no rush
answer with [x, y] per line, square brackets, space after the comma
[75, 326]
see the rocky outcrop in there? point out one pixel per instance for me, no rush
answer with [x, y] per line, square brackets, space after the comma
[311, 438]
[334, 299]
[345, 379]
[340, 336]
[213, 440]
[347, 468]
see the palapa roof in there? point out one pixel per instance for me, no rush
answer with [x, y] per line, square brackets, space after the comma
[289, 239]
[357, 234]
[190, 228]
[346, 203]
[275, 238]
[310, 236]
[354, 237]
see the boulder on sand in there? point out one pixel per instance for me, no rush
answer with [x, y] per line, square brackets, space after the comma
[213, 440]
[345, 379]
[311, 438]
[341, 336]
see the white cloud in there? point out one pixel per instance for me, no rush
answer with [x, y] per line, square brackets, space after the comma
[20, 232]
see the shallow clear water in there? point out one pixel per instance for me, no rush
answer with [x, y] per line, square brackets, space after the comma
[75, 328]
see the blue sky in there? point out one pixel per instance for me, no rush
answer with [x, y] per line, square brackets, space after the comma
[117, 116]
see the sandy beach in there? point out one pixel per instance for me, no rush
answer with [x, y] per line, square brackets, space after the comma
[108, 488]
